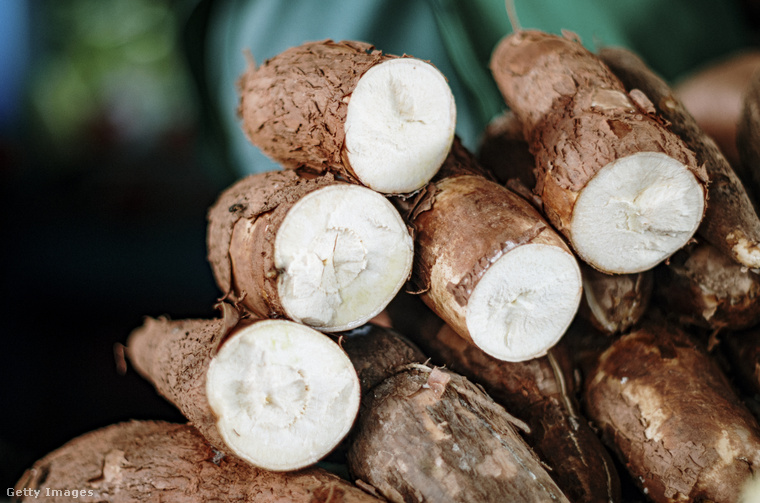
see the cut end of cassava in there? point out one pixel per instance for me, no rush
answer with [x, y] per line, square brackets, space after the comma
[636, 212]
[284, 394]
[343, 253]
[524, 302]
[399, 125]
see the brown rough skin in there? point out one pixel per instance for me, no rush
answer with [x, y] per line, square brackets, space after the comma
[294, 105]
[429, 435]
[671, 415]
[704, 287]
[174, 355]
[541, 393]
[158, 462]
[576, 115]
[462, 220]
[242, 226]
[730, 222]
[615, 303]
[748, 137]
[377, 352]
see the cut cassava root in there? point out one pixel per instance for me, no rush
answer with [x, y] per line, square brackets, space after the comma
[623, 189]
[383, 120]
[324, 253]
[730, 222]
[275, 393]
[489, 264]
[152, 461]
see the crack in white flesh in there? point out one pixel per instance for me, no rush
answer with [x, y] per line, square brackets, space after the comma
[284, 395]
[636, 212]
[343, 252]
[524, 302]
[399, 125]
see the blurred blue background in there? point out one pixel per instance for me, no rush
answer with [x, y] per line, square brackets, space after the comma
[118, 129]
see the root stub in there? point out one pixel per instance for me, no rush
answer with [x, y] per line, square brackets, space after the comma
[385, 121]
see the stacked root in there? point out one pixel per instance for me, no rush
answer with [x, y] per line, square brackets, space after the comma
[668, 237]
[601, 197]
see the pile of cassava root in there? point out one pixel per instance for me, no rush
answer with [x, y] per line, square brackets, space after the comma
[578, 299]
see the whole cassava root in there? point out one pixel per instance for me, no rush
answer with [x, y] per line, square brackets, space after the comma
[623, 189]
[428, 434]
[541, 393]
[489, 265]
[383, 120]
[664, 406]
[152, 461]
[274, 393]
[702, 286]
[730, 222]
[324, 253]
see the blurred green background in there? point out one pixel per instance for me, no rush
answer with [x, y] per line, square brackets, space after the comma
[118, 130]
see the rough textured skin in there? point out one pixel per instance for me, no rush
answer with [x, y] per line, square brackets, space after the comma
[664, 406]
[541, 393]
[294, 105]
[152, 462]
[576, 116]
[461, 222]
[242, 225]
[730, 222]
[615, 303]
[748, 137]
[742, 351]
[704, 287]
[174, 355]
[431, 435]
[377, 353]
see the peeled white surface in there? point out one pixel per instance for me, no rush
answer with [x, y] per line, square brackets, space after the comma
[343, 252]
[524, 302]
[399, 125]
[284, 395]
[636, 212]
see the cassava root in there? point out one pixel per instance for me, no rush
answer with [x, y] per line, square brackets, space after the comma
[324, 253]
[488, 263]
[384, 121]
[152, 462]
[623, 189]
[274, 393]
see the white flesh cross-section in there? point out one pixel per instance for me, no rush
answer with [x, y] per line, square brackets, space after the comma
[399, 125]
[636, 212]
[284, 395]
[343, 253]
[524, 302]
